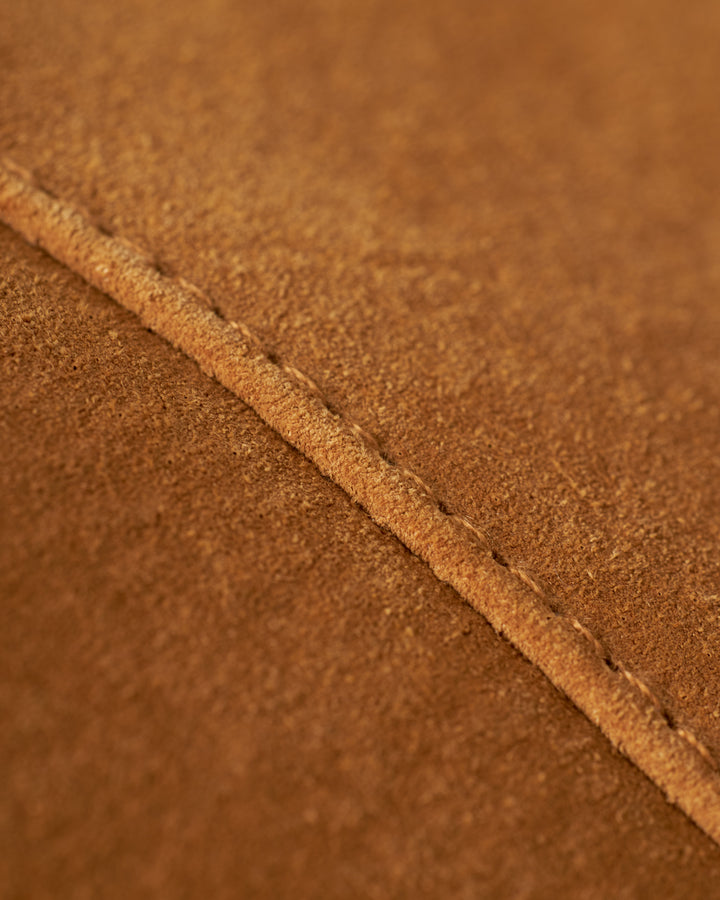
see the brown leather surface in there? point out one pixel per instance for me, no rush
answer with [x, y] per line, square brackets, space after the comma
[459, 554]
[488, 232]
[218, 676]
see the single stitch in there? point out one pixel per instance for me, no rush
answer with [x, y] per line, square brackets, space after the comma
[37, 229]
[247, 334]
[589, 636]
[644, 690]
[132, 246]
[406, 473]
[304, 380]
[365, 435]
[312, 386]
[479, 534]
[192, 289]
[526, 578]
[698, 745]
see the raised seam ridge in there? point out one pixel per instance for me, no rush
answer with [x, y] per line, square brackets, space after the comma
[457, 551]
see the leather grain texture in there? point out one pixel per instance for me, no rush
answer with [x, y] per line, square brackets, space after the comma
[511, 600]
[219, 677]
[488, 232]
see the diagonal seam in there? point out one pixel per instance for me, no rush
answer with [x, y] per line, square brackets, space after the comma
[457, 551]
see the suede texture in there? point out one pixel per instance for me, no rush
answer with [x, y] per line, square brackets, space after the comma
[219, 676]
[489, 233]
[458, 553]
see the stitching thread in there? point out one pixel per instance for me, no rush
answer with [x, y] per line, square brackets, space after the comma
[522, 574]
[482, 538]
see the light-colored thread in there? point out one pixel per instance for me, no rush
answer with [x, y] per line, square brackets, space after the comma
[134, 248]
[519, 573]
[193, 289]
[362, 433]
[642, 687]
[478, 533]
[697, 744]
[22, 172]
[305, 380]
[411, 476]
[527, 579]
[589, 636]
[247, 334]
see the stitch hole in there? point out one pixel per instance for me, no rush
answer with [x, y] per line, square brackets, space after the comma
[443, 508]
[669, 719]
[499, 559]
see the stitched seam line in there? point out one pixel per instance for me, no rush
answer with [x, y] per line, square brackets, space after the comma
[633, 718]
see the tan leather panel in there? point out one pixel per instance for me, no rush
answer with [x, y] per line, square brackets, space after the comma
[219, 677]
[489, 233]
